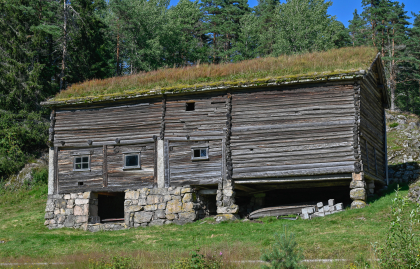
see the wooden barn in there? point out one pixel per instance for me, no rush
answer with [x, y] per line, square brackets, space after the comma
[176, 144]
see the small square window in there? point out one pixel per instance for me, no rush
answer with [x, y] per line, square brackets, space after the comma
[81, 163]
[190, 106]
[200, 154]
[131, 160]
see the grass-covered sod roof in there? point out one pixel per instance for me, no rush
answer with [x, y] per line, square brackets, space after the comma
[256, 72]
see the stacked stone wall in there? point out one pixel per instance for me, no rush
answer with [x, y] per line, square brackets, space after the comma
[70, 210]
[403, 173]
[142, 207]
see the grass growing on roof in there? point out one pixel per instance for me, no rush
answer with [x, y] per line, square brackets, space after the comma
[286, 67]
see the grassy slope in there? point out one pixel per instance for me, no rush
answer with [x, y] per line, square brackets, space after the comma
[312, 64]
[343, 235]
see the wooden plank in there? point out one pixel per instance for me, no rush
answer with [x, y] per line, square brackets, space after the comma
[300, 172]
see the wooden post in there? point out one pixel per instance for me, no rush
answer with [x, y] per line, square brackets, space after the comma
[56, 188]
[105, 166]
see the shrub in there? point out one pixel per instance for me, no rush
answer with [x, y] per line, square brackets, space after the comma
[40, 175]
[285, 253]
[199, 261]
[394, 124]
[401, 248]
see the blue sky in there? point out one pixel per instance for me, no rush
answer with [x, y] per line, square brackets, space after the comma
[343, 9]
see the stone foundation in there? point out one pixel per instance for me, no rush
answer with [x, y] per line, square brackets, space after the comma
[358, 191]
[142, 207]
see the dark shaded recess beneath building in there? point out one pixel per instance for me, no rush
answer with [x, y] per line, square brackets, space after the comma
[111, 206]
[251, 201]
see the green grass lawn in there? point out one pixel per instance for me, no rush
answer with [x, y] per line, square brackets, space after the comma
[344, 235]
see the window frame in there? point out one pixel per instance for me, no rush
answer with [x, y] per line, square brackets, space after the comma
[125, 154]
[199, 158]
[81, 169]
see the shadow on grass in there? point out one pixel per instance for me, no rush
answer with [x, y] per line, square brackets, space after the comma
[392, 188]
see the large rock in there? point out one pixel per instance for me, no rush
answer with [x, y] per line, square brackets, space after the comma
[160, 214]
[188, 197]
[225, 217]
[188, 207]
[143, 216]
[171, 216]
[132, 195]
[70, 221]
[358, 194]
[150, 207]
[134, 208]
[61, 203]
[174, 206]
[81, 219]
[81, 201]
[186, 190]
[354, 184]
[154, 199]
[157, 222]
[81, 210]
[358, 204]
[187, 216]
[233, 209]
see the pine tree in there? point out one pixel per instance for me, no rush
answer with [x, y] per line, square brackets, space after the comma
[359, 32]
[183, 41]
[389, 35]
[266, 25]
[222, 22]
[408, 77]
[88, 51]
[27, 65]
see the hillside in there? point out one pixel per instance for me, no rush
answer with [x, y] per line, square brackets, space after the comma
[344, 235]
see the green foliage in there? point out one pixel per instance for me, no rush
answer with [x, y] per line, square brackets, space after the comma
[304, 25]
[401, 247]
[40, 175]
[20, 135]
[394, 124]
[199, 261]
[285, 253]
[116, 262]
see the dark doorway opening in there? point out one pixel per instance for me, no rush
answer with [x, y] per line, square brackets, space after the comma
[111, 206]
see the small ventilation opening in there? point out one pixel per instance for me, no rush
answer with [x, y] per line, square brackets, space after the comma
[190, 106]
[111, 207]
[80, 183]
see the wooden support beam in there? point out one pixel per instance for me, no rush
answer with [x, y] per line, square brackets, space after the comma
[208, 192]
[244, 188]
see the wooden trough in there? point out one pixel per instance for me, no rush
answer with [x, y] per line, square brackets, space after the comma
[277, 211]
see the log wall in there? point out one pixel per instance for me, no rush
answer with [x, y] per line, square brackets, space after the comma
[69, 180]
[111, 130]
[207, 119]
[273, 133]
[120, 178]
[105, 125]
[295, 131]
[184, 171]
[372, 140]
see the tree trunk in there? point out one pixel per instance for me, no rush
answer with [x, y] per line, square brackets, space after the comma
[392, 77]
[63, 62]
[118, 49]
